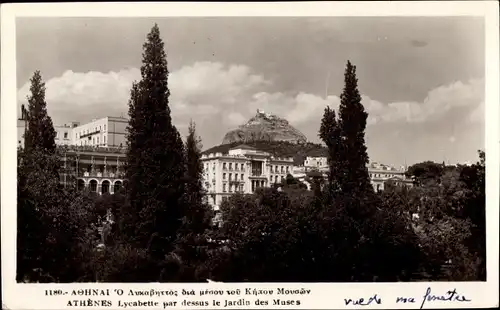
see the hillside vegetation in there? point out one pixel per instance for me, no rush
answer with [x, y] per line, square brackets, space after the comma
[278, 148]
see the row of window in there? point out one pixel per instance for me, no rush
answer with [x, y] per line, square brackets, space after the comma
[86, 132]
[94, 141]
[65, 135]
[232, 188]
[241, 167]
[382, 175]
[277, 179]
[279, 169]
[242, 177]
[318, 163]
[229, 166]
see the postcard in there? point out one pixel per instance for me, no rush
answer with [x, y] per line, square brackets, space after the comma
[287, 155]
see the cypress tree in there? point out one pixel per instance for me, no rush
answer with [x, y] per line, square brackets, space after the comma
[40, 133]
[352, 125]
[155, 157]
[330, 134]
[196, 214]
[191, 243]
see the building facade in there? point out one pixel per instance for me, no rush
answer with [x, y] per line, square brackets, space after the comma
[379, 174]
[98, 169]
[92, 154]
[104, 132]
[243, 169]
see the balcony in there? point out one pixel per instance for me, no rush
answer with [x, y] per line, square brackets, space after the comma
[96, 149]
[90, 133]
[94, 174]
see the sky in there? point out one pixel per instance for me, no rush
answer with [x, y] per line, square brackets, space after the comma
[421, 78]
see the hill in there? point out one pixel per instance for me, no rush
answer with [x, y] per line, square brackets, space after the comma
[264, 127]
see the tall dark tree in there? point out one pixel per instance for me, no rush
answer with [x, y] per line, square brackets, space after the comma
[352, 123]
[187, 261]
[330, 134]
[155, 157]
[197, 219]
[40, 131]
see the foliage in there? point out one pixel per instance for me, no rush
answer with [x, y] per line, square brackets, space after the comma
[197, 215]
[426, 172]
[155, 158]
[51, 219]
[40, 132]
[329, 132]
[190, 246]
[352, 158]
[284, 236]
[438, 214]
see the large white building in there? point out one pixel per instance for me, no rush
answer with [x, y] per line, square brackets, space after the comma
[107, 131]
[242, 170]
[104, 132]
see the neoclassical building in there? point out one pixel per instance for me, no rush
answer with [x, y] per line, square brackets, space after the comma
[242, 170]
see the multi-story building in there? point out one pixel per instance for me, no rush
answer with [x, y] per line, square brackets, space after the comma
[100, 169]
[63, 133]
[104, 132]
[379, 174]
[316, 162]
[242, 170]
[93, 154]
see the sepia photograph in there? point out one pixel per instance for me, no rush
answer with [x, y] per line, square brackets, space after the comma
[250, 149]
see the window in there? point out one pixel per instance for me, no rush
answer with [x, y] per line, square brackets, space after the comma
[223, 176]
[224, 188]
[104, 139]
[286, 169]
[242, 176]
[242, 167]
[224, 166]
[282, 170]
[97, 140]
[230, 166]
[230, 177]
[104, 127]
